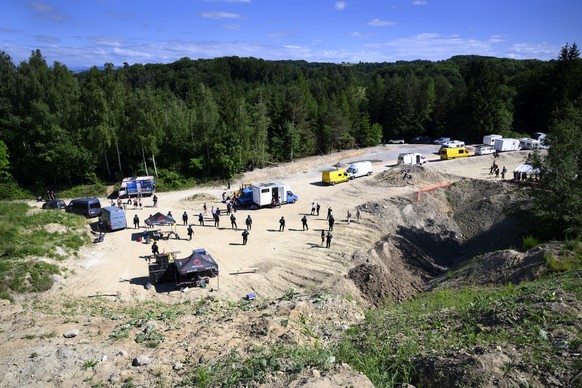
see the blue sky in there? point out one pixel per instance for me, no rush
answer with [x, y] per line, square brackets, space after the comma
[83, 33]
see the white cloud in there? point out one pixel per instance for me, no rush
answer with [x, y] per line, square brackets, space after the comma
[46, 11]
[47, 38]
[341, 5]
[218, 15]
[107, 42]
[232, 27]
[380, 23]
[419, 2]
[533, 50]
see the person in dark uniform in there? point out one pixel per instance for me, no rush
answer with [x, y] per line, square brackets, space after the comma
[282, 224]
[185, 218]
[317, 207]
[322, 237]
[155, 199]
[233, 221]
[331, 222]
[190, 232]
[249, 222]
[136, 221]
[328, 213]
[216, 219]
[155, 249]
[201, 219]
[304, 222]
[245, 236]
[329, 237]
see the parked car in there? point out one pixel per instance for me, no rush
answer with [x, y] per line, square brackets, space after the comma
[442, 140]
[484, 150]
[54, 204]
[421, 140]
[454, 144]
[396, 141]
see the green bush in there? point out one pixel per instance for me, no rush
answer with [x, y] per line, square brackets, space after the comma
[530, 242]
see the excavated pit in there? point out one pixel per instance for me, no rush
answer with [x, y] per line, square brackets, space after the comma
[422, 240]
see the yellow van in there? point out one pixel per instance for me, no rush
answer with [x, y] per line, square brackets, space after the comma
[331, 177]
[453, 153]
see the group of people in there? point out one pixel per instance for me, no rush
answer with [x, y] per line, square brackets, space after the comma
[50, 195]
[495, 170]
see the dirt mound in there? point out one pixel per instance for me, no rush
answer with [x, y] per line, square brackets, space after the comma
[405, 175]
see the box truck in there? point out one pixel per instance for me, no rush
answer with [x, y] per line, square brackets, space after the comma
[359, 169]
[335, 175]
[502, 145]
[137, 186]
[490, 139]
[271, 194]
[411, 158]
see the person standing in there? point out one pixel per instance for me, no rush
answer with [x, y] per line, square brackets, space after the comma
[136, 222]
[216, 220]
[328, 213]
[201, 219]
[312, 208]
[190, 232]
[322, 237]
[233, 221]
[282, 224]
[503, 172]
[245, 236]
[249, 222]
[140, 204]
[317, 207]
[304, 222]
[155, 199]
[204, 208]
[212, 211]
[331, 222]
[328, 239]
[349, 217]
[155, 249]
[185, 218]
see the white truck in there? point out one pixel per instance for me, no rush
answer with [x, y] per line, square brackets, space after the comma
[411, 158]
[490, 139]
[359, 169]
[272, 194]
[137, 186]
[502, 145]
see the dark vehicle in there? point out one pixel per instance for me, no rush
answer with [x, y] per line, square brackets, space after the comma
[54, 204]
[421, 140]
[87, 207]
[192, 271]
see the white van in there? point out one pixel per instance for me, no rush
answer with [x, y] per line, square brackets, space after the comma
[359, 169]
[411, 158]
[453, 144]
[490, 139]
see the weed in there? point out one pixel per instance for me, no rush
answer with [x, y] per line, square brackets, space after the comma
[530, 242]
[89, 364]
[33, 355]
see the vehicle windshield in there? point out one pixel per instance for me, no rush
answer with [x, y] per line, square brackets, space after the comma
[352, 170]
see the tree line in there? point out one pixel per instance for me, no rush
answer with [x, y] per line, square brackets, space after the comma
[212, 118]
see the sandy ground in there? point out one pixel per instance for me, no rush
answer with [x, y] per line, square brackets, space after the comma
[283, 260]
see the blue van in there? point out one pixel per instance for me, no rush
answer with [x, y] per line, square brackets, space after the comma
[88, 207]
[112, 218]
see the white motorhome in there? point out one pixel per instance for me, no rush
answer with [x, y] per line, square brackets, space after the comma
[265, 194]
[484, 150]
[411, 158]
[453, 144]
[502, 145]
[359, 169]
[529, 144]
[490, 139]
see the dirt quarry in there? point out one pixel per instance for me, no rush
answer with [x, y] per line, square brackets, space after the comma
[416, 223]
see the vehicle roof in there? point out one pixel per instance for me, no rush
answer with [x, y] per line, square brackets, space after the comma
[87, 200]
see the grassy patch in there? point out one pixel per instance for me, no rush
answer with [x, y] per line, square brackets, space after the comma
[388, 346]
[530, 242]
[26, 237]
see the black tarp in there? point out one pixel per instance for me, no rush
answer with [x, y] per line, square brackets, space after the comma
[159, 219]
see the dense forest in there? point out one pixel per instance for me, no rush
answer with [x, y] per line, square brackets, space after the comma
[210, 118]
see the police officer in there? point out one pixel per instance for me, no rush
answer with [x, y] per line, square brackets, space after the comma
[136, 221]
[249, 222]
[282, 224]
[245, 236]
[185, 218]
[304, 222]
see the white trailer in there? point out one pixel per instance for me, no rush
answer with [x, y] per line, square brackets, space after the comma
[529, 144]
[490, 139]
[502, 145]
[265, 194]
[411, 158]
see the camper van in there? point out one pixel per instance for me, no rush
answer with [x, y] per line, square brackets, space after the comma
[490, 139]
[411, 158]
[113, 218]
[359, 169]
[502, 145]
[484, 150]
[87, 207]
[333, 176]
[529, 144]
[266, 194]
[453, 153]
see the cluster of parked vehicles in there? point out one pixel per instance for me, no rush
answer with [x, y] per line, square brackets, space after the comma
[339, 175]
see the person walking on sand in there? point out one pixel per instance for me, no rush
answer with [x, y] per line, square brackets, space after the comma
[249, 222]
[317, 207]
[216, 220]
[136, 222]
[282, 224]
[503, 172]
[322, 237]
[349, 217]
[328, 240]
[185, 218]
[201, 219]
[245, 236]
[312, 208]
[155, 199]
[328, 213]
[233, 221]
[304, 222]
[190, 232]
[331, 222]
[204, 208]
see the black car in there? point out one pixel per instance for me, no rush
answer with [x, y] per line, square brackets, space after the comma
[54, 204]
[421, 140]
